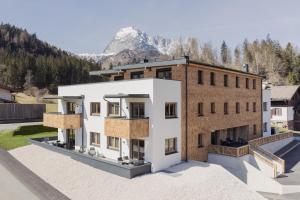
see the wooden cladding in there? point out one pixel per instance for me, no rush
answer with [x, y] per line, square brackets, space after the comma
[229, 151]
[64, 121]
[126, 128]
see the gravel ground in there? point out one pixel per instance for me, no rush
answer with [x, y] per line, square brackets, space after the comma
[192, 180]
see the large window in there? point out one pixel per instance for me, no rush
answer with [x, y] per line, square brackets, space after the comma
[276, 111]
[237, 82]
[95, 108]
[237, 107]
[165, 73]
[254, 106]
[113, 143]
[225, 80]
[212, 107]
[170, 110]
[200, 140]
[170, 146]
[118, 78]
[265, 106]
[137, 110]
[113, 109]
[200, 109]
[212, 78]
[226, 108]
[137, 75]
[200, 77]
[94, 139]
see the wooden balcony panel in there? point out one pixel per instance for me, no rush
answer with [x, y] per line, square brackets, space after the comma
[64, 121]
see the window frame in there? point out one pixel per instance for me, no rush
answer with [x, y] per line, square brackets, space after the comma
[247, 83]
[200, 140]
[200, 109]
[164, 71]
[139, 116]
[138, 74]
[168, 106]
[265, 126]
[92, 136]
[254, 106]
[237, 108]
[200, 77]
[265, 106]
[225, 80]
[212, 79]
[92, 113]
[254, 129]
[254, 84]
[237, 82]
[212, 107]
[247, 107]
[226, 112]
[115, 140]
[109, 104]
[168, 149]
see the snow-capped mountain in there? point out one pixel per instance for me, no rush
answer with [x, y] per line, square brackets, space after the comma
[131, 43]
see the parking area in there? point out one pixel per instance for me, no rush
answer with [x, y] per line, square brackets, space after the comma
[292, 164]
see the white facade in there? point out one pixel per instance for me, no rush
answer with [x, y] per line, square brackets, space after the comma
[160, 92]
[266, 108]
[5, 94]
[285, 115]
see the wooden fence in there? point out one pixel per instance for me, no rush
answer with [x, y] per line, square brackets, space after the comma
[229, 151]
[271, 138]
[13, 112]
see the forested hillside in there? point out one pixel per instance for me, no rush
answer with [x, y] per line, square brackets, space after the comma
[23, 54]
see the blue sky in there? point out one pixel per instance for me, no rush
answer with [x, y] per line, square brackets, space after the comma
[87, 26]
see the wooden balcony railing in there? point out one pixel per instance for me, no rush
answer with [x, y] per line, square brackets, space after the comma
[229, 151]
[64, 121]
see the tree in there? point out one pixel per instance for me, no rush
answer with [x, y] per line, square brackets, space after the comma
[237, 57]
[208, 54]
[225, 54]
[193, 48]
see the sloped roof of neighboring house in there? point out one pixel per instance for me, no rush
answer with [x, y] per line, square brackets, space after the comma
[285, 92]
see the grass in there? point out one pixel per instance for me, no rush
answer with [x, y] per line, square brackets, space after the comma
[51, 106]
[11, 139]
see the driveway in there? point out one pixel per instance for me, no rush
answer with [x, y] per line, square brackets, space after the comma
[13, 126]
[188, 180]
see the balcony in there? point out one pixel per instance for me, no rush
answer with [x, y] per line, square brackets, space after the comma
[64, 121]
[126, 128]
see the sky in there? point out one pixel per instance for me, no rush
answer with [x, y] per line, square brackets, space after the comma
[87, 26]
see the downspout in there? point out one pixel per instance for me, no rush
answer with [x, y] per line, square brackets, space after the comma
[82, 122]
[262, 111]
[186, 107]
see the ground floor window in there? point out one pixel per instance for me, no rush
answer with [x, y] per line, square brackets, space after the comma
[265, 127]
[170, 146]
[200, 140]
[137, 149]
[94, 139]
[113, 143]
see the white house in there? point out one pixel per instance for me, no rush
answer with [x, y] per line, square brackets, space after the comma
[266, 108]
[137, 119]
[5, 94]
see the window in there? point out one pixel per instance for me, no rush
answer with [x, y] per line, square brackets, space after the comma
[137, 75]
[200, 77]
[237, 82]
[237, 107]
[247, 106]
[95, 108]
[212, 78]
[212, 107]
[170, 146]
[94, 139]
[276, 112]
[113, 109]
[200, 140]
[113, 143]
[254, 84]
[225, 80]
[165, 73]
[118, 78]
[265, 127]
[226, 108]
[254, 106]
[200, 109]
[265, 106]
[247, 83]
[254, 129]
[137, 110]
[71, 107]
[170, 110]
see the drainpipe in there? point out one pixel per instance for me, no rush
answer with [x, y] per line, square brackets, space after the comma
[82, 122]
[186, 107]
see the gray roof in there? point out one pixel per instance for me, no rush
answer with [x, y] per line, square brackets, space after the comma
[126, 96]
[285, 92]
[64, 97]
[104, 72]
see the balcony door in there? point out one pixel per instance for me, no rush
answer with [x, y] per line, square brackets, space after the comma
[137, 149]
[137, 110]
[71, 107]
[70, 142]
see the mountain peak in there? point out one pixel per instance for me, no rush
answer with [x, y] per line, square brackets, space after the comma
[129, 31]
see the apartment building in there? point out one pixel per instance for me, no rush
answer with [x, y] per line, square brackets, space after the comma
[160, 112]
[218, 105]
[285, 110]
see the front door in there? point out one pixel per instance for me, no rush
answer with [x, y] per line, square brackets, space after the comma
[137, 149]
[70, 143]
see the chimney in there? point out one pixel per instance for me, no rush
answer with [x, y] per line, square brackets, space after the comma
[246, 67]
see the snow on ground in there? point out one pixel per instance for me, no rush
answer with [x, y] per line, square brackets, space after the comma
[192, 180]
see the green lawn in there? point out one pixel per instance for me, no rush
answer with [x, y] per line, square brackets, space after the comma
[11, 139]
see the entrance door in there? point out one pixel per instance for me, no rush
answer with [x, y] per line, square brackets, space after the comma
[70, 139]
[137, 149]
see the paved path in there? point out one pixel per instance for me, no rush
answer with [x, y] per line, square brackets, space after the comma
[20, 181]
[13, 126]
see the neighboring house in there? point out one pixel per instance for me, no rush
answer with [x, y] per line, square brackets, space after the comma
[285, 106]
[266, 107]
[6, 94]
[160, 121]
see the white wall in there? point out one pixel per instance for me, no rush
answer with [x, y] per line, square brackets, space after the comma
[160, 91]
[267, 114]
[287, 115]
[5, 94]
